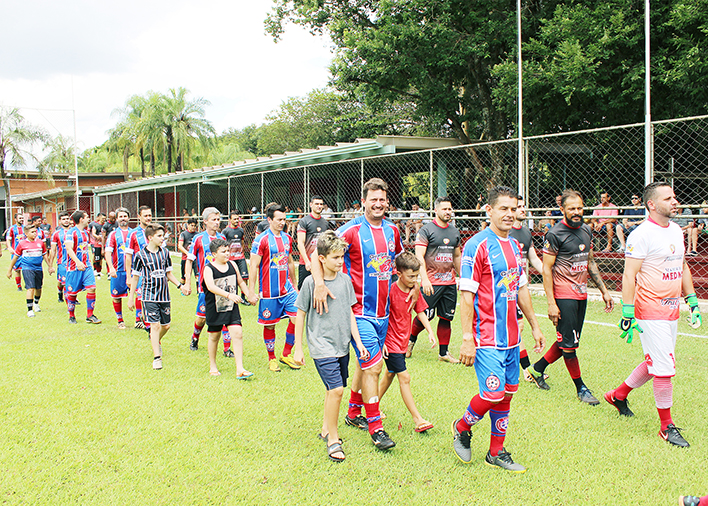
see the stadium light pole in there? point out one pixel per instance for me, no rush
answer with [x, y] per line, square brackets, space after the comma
[520, 128]
[76, 160]
[648, 140]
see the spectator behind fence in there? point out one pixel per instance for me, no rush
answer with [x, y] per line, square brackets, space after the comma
[686, 225]
[557, 213]
[603, 219]
[415, 221]
[629, 224]
[700, 228]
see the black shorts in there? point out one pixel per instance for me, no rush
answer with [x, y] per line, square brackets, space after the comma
[570, 325]
[156, 312]
[396, 362]
[97, 257]
[444, 300]
[216, 321]
[242, 267]
[302, 274]
[183, 265]
[519, 313]
[33, 279]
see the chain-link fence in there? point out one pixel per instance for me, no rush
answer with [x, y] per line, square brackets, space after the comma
[606, 161]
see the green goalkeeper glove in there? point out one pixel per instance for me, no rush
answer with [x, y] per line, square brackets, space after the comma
[694, 320]
[628, 324]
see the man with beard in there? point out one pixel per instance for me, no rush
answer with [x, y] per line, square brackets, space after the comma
[655, 274]
[108, 227]
[567, 260]
[137, 241]
[309, 228]
[58, 251]
[116, 247]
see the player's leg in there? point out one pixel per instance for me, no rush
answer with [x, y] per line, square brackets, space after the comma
[226, 338]
[404, 384]
[61, 279]
[334, 373]
[118, 309]
[214, 334]
[236, 332]
[618, 397]
[354, 417]
[29, 292]
[302, 274]
[90, 284]
[182, 264]
[417, 326]
[18, 278]
[268, 316]
[386, 380]
[445, 307]
[289, 310]
[199, 321]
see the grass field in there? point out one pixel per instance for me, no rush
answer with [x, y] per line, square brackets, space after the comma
[85, 420]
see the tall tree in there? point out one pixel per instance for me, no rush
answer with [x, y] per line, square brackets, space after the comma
[61, 155]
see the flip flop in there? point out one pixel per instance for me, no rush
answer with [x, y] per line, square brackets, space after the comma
[424, 427]
[245, 375]
[214, 373]
[335, 448]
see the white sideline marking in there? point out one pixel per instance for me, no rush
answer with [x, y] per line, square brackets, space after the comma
[604, 324]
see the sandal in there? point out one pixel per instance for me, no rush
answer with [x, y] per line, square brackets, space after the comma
[325, 438]
[244, 375]
[424, 427]
[214, 373]
[335, 448]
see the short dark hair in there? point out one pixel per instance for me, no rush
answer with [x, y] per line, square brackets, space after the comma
[99, 215]
[569, 194]
[316, 197]
[273, 208]
[440, 200]
[35, 218]
[64, 213]
[500, 191]
[152, 229]
[192, 221]
[76, 217]
[143, 208]
[374, 184]
[407, 260]
[650, 191]
[215, 244]
[235, 212]
[29, 227]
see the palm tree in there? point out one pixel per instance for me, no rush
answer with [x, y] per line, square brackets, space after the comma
[16, 137]
[124, 137]
[61, 154]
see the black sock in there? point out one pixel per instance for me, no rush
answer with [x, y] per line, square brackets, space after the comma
[29, 304]
[36, 300]
[525, 362]
[578, 383]
[157, 357]
[541, 365]
[443, 350]
[414, 338]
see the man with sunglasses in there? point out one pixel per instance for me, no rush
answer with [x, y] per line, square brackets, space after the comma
[632, 218]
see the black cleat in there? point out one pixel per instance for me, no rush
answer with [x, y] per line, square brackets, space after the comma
[195, 345]
[381, 440]
[60, 299]
[689, 500]
[461, 443]
[504, 460]
[358, 422]
[229, 353]
[537, 379]
[72, 320]
[93, 319]
[672, 435]
[622, 406]
[586, 396]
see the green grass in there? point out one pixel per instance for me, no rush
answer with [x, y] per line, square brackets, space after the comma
[85, 420]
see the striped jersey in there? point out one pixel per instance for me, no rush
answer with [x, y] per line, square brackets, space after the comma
[137, 240]
[369, 261]
[16, 234]
[200, 254]
[273, 272]
[58, 239]
[117, 245]
[153, 267]
[492, 270]
[78, 241]
[31, 254]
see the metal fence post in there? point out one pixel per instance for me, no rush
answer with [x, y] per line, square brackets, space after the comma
[430, 186]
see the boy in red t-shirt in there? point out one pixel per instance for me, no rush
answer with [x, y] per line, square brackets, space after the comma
[399, 332]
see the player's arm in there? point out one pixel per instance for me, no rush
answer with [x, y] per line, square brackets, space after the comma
[694, 320]
[363, 352]
[467, 348]
[253, 276]
[12, 265]
[301, 235]
[526, 305]
[628, 323]
[172, 278]
[321, 292]
[72, 254]
[292, 268]
[8, 241]
[426, 325]
[180, 246]
[52, 252]
[242, 284]
[425, 283]
[594, 272]
[535, 262]
[47, 259]
[133, 288]
[549, 260]
[456, 260]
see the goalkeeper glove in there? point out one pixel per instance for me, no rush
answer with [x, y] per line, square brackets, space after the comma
[694, 320]
[628, 324]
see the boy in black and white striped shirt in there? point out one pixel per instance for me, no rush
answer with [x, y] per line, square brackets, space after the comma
[153, 263]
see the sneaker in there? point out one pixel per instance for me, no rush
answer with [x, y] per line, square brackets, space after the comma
[157, 364]
[692, 253]
[461, 443]
[358, 422]
[586, 396]
[195, 345]
[673, 435]
[620, 250]
[30, 314]
[273, 365]
[229, 353]
[72, 319]
[409, 351]
[622, 406]
[60, 299]
[93, 319]
[539, 381]
[527, 375]
[504, 461]
[448, 358]
[36, 308]
[689, 500]
[140, 325]
[290, 362]
[121, 325]
[19, 288]
[381, 440]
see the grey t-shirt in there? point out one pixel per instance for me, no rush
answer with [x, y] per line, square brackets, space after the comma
[329, 334]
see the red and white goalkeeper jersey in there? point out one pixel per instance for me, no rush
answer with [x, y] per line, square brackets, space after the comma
[661, 249]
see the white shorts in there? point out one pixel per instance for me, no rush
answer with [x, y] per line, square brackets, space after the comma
[659, 342]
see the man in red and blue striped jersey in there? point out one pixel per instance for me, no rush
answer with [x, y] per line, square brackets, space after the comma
[79, 273]
[117, 243]
[14, 235]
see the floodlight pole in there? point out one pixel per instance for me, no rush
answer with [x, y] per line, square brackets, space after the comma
[76, 160]
[521, 186]
[648, 140]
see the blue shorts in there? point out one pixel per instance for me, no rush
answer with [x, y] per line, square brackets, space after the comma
[77, 281]
[201, 305]
[334, 371]
[271, 311]
[497, 372]
[119, 288]
[61, 273]
[373, 335]
[396, 362]
[33, 279]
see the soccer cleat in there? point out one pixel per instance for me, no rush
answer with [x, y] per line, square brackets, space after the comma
[622, 406]
[504, 461]
[60, 299]
[229, 353]
[121, 325]
[689, 500]
[586, 396]
[539, 381]
[461, 443]
[30, 314]
[195, 345]
[381, 440]
[409, 351]
[290, 362]
[72, 319]
[19, 288]
[36, 308]
[273, 365]
[672, 435]
[358, 422]
[93, 319]
[140, 325]
[448, 358]
[157, 364]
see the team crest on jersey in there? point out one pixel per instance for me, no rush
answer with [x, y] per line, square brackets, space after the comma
[122, 248]
[581, 247]
[319, 229]
[510, 281]
[266, 313]
[492, 382]
[202, 308]
[381, 264]
[502, 424]
[648, 360]
[672, 248]
[547, 245]
[446, 241]
[280, 261]
[391, 246]
[209, 257]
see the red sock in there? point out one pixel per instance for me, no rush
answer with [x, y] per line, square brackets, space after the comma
[621, 392]
[18, 279]
[444, 331]
[269, 338]
[637, 378]
[475, 412]
[553, 353]
[356, 402]
[197, 330]
[499, 415]
[71, 304]
[90, 304]
[665, 417]
[524, 353]
[573, 366]
[416, 329]
[703, 501]
[226, 337]
[118, 308]
[289, 339]
[373, 416]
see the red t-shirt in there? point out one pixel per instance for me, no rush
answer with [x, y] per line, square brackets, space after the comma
[399, 320]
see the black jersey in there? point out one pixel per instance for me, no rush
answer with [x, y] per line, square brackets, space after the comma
[262, 226]
[571, 247]
[234, 236]
[313, 228]
[218, 308]
[187, 238]
[153, 267]
[440, 243]
[523, 235]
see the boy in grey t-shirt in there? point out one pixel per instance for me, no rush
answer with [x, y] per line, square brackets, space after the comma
[329, 335]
